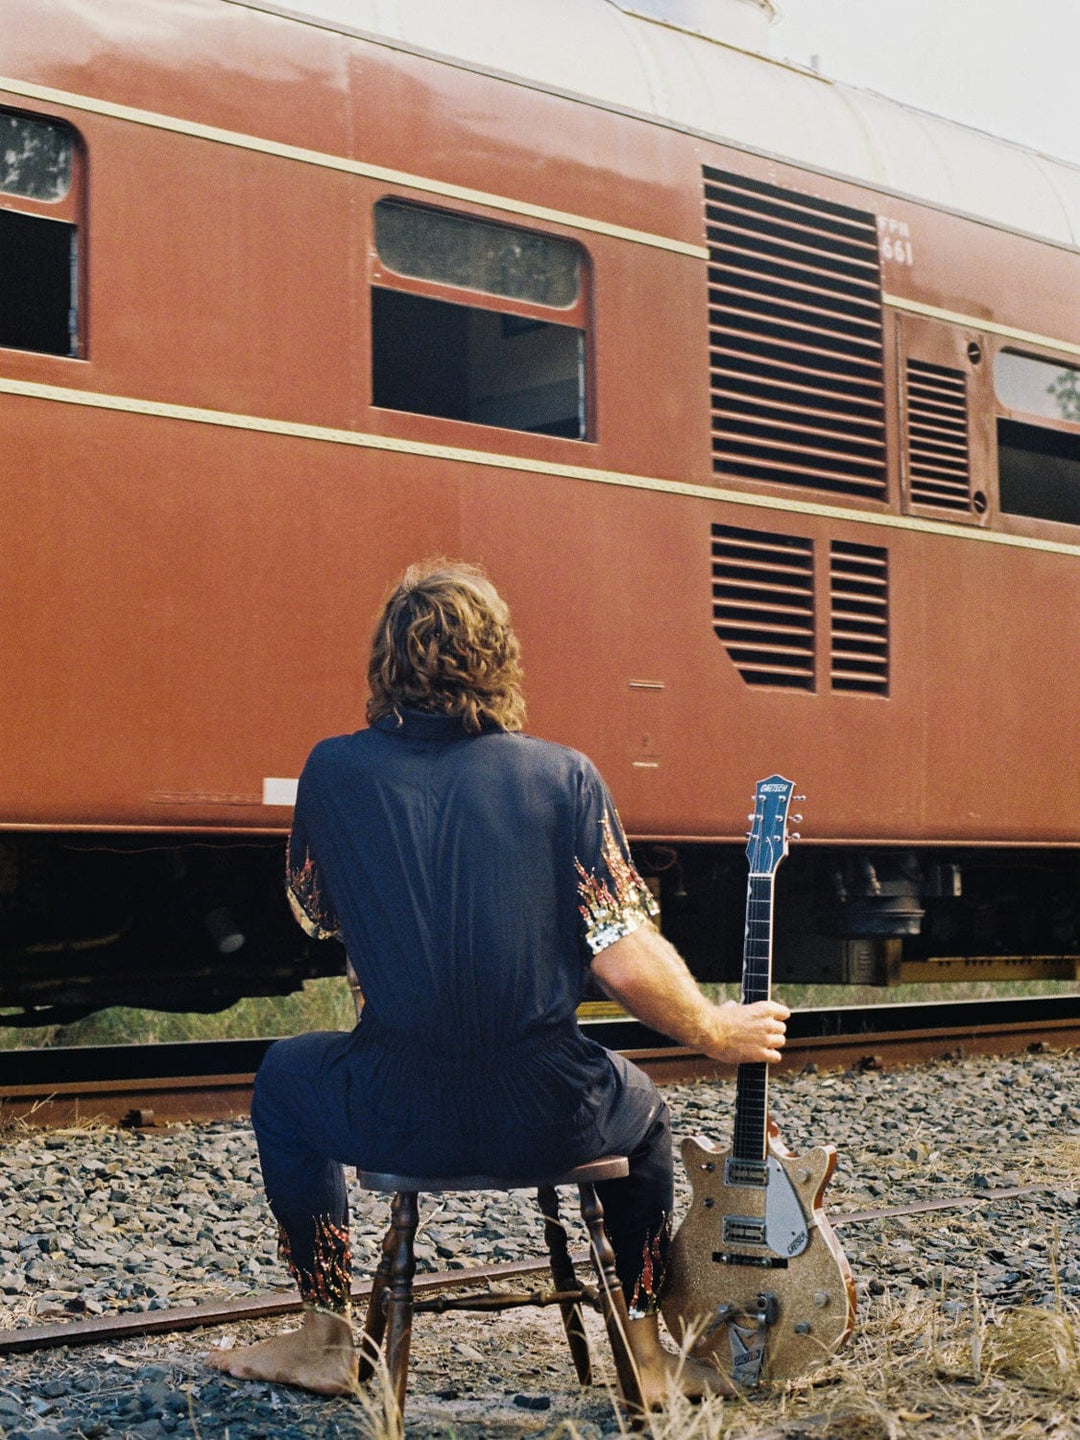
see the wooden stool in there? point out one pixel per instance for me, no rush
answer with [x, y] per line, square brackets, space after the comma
[392, 1305]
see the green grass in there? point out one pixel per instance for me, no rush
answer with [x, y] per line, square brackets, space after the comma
[320, 1005]
[806, 997]
[327, 1005]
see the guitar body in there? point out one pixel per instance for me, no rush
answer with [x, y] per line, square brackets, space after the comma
[759, 1314]
[757, 1278]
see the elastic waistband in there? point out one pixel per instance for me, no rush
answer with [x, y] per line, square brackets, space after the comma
[443, 1051]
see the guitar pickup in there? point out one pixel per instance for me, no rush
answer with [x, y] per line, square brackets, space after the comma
[742, 1230]
[759, 1262]
[747, 1173]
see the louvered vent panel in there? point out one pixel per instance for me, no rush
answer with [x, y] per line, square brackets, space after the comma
[939, 466]
[795, 338]
[763, 604]
[859, 607]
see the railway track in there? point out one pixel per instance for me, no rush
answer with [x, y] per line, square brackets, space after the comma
[207, 1080]
[112, 1328]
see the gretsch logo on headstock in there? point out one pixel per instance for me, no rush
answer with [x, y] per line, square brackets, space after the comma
[767, 839]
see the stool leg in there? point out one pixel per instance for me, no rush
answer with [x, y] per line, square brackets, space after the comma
[375, 1318]
[612, 1299]
[562, 1273]
[406, 1215]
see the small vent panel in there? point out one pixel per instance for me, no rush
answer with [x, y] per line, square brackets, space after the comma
[939, 465]
[795, 337]
[763, 604]
[859, 609]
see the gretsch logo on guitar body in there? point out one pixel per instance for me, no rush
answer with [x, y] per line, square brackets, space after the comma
[758, 1278]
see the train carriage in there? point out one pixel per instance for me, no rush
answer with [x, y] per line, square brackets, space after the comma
[757, 395]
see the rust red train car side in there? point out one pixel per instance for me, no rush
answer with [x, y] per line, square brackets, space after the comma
[778, 468]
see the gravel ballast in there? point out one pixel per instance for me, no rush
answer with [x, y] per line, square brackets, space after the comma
[97, 1221]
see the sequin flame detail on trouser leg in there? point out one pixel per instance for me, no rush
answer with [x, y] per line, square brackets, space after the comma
[654, 1261]
[327, 1285]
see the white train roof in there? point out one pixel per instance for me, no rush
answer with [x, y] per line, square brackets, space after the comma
[622, 55]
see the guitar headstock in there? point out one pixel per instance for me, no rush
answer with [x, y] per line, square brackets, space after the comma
[768, 839]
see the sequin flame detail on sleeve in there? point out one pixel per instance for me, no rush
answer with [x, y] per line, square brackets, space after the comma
[312, 913]
[328, 1284]
[612, 910]
[650, 1283]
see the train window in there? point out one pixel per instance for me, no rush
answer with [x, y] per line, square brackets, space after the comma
[477, 322]
[35, 157]
[477, 255]
[1039, 472]
[1039, 464]
[37, 260]
[38, 236]
[1038, 386]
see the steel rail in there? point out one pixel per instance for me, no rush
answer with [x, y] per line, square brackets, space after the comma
[208, 1080]
[132, 1324]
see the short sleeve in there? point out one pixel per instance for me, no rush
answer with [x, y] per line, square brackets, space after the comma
[613, 900]
[306, 890]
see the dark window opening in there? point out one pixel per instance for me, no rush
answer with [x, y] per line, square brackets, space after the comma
[37, 284]
[461, 362]
[1039, 471]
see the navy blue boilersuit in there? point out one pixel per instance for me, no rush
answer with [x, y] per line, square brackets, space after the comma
[471, 879]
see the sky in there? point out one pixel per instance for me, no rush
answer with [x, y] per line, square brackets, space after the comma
[1006, 66]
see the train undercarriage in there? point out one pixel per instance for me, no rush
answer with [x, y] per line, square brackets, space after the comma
[160, 923]
[194, 924]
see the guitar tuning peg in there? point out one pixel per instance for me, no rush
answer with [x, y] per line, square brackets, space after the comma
[797, 819]
[799, 798]
[794, 835]
[751, 817]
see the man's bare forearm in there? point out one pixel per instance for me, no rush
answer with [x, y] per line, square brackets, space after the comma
[649, 978]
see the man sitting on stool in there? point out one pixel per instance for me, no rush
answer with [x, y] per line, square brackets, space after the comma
[472, 873]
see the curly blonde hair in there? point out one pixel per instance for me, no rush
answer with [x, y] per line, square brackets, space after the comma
[443, 644]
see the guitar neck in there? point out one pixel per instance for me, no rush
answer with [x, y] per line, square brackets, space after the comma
[750, 1138]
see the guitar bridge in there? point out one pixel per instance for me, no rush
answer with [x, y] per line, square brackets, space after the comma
[753, 1173]
[743, 1230]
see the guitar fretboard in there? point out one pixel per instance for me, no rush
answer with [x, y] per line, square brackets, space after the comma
[750, 1137]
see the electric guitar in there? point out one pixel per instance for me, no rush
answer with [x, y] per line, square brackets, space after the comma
[757, 1276]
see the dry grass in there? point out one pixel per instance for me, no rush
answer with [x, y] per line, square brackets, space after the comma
[17, 1126]
[913, 1370]
[1056, 1158]
[380, 1418]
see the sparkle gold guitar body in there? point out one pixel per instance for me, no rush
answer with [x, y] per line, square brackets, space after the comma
[758, 1283]
[758, 1315]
